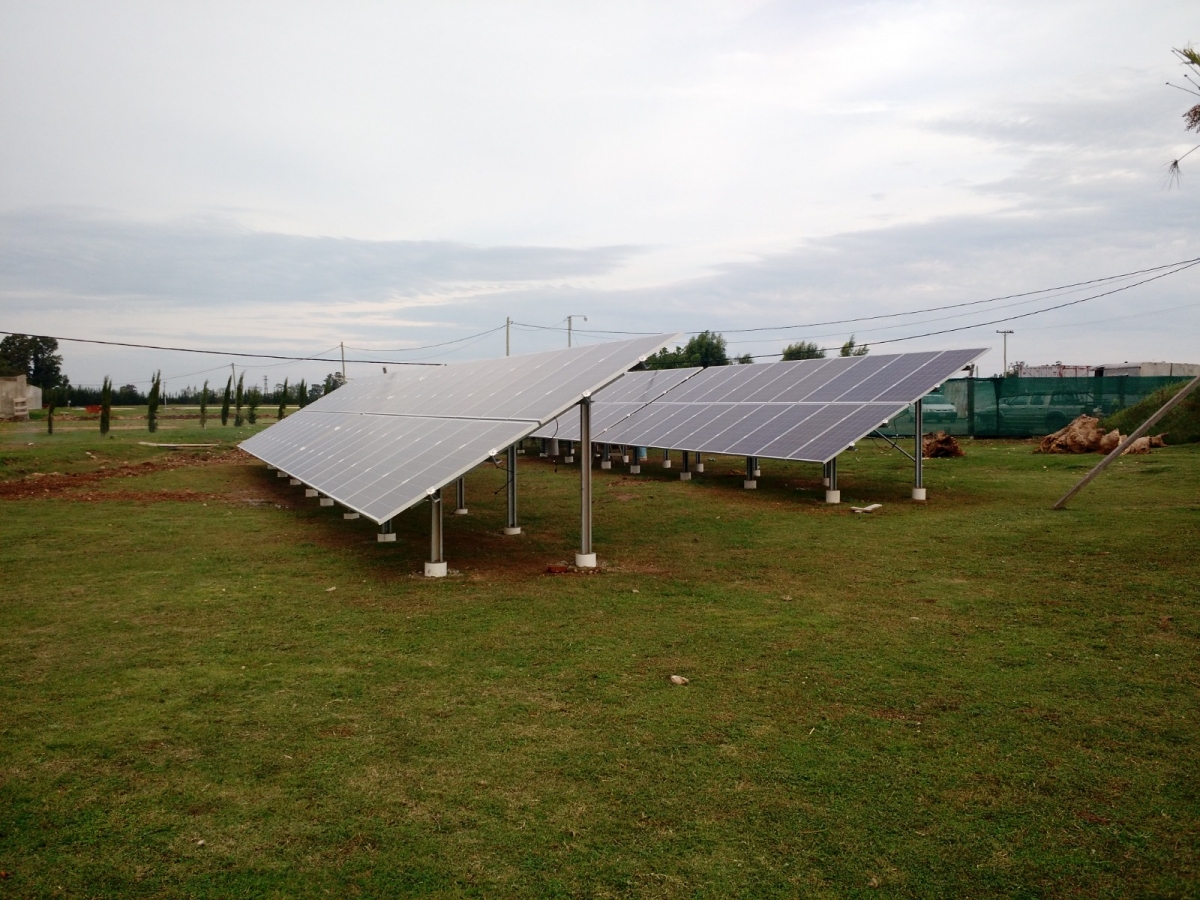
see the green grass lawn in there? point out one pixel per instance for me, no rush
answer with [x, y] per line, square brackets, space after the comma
[210, 687]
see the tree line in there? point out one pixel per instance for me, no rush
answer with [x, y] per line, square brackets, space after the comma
[709, 348]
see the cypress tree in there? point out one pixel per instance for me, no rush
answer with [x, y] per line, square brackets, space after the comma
[225, 401]
[105, 405]
[302, 394]
[252, 397]
[241, 395]
[51, 404]
[153, 400]
[204, 404]
[283, 398]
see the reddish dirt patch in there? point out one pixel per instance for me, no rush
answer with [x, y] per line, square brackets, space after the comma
[43, 486]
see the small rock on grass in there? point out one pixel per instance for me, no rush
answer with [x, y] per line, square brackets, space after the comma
[678, 679]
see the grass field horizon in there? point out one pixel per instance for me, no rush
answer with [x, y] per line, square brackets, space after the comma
[214, 688]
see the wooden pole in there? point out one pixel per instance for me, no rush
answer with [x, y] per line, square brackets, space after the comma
[1142, 429]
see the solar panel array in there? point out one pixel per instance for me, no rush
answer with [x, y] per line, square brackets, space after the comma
[381, 444]
[808, 410]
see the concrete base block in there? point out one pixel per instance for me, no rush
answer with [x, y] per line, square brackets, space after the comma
[542, 455]
[281, 474]
[327, 501]
[349, 515]
[310, 492]
[833, 496]
[666, 464]
[461, 512]
[606, 463]
[919, 494]
[625, 460]
[389, 538]
[635, 470]
[749, 484]
[568, 459]
[294, 482]
[435, 570]
[685, 476]
[516, 529]
[585, 560]
[270, 468]
[824, 482]
[520, 452]
[699, 467]
[758, 473]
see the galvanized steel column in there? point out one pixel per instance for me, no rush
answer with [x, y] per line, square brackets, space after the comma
[585, 558]
[512, 527]
[918, 453]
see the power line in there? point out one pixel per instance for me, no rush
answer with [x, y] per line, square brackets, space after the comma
[429, 346]
[384, 362]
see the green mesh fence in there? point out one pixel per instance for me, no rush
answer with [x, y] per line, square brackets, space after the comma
[1022, 407]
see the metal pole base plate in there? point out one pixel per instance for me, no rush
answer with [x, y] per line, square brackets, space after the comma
[389, 538]
[516, 529]
[585, 560]
[833, 496]
[435, 570]
[919, 494]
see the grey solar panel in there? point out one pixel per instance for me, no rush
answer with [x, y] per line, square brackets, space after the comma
[381, 444]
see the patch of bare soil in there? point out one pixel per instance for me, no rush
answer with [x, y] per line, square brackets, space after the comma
[45, 485]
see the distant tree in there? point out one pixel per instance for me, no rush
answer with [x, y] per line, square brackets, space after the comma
[253, 397]
[850, 348]
[36, 357]
[153, 401]
[105, 405]
[744, 360]
[802, 350]
[228, 395]
[315, 391]
[302, 394]
[54, 399]
[1015, 368]
[204, 405]
[241, 396]
[333, 381]
[704, 349]
[283, 399]
[1191, 119]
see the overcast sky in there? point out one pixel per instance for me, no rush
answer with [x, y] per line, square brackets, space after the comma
[280, 177]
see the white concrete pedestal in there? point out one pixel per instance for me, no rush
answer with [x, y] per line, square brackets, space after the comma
[514, 530]
[435, 570]
[824, 482]
[349, 515]
[585, 560]
[462, 511]
[758, 473]
[700, 468]
[666, 464]
[568, 459]
[625, 460]
[281, 475]
[294, 482]
[685, 476]
[327, 501]
[310, 492]
[389, 538]
[919, 494]
[635, 470]
[833, 496]
[749, 484]
[606, 463]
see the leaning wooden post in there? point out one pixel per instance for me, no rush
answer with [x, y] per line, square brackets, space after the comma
[1142, 429]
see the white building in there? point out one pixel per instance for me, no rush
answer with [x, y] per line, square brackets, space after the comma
[17, 397]
[1150, 369]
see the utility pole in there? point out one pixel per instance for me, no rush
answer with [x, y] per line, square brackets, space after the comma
[342, 344]
[264, 387]
[507, 333]
[1006, 333]
[569, 318]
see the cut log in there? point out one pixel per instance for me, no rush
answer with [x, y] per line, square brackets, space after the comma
[939, 446]
[1081, 436]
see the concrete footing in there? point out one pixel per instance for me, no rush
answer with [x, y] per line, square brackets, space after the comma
[270, 468]
[758, 473]
[833, 496]
[606, 463]
[435, 570]
[568, 460]
[349, 515]
[310, 492]
[635, 470]
[625, 460]
[516, 529]
[281, 474]
[389, 538]
[327, 501]
[749, 485]
[294, 482]
[700, 468]
[585, 560]
[919, 494]
[461, 511]
[666, 464]
[685, 476]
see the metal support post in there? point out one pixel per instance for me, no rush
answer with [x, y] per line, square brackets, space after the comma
[666, 459]
[386, 535]
[436, 567]
[685, 474]
[553, 451]
[460, 497]
[569, 456]
[606, 456]
[918, 492]
[635, 460]
[699, 464]
[585, 558]
[543, 451]
[512, 527]
[757, 468]
[832, 494]
[749, 483]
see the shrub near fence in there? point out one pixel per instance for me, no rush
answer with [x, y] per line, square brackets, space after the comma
[1023, 407]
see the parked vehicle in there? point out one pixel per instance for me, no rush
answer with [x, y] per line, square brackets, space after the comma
[937, 410]
[1042, 413]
